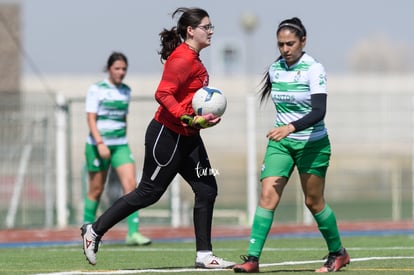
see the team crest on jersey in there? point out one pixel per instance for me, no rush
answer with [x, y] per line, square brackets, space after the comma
[276, 75]
[297, 76]
[204, 79]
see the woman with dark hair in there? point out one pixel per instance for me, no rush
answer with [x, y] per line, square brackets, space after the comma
[173, 144]
[107, 104]
[296, 83]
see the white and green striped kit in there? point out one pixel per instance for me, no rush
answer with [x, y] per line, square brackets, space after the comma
[110, 103]
[291, 93]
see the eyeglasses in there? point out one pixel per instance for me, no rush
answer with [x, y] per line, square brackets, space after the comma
[207, 27]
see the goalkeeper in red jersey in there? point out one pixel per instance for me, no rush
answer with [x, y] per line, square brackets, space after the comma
[173, 144]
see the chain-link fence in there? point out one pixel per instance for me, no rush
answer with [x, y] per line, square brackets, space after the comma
[370, 177]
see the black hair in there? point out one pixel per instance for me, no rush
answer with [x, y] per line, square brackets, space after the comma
[115, 56]
[266, 87]
[171, 39]
[295, 25]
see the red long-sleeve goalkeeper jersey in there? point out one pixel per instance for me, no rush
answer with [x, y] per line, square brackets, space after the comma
[183, 75]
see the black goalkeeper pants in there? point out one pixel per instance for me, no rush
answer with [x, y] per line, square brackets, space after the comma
[166, 155]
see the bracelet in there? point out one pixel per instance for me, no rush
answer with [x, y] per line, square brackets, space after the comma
[99, 142]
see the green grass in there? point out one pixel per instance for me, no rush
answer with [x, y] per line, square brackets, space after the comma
[280, 256]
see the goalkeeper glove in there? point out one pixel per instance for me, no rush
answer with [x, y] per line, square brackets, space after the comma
[200, 122]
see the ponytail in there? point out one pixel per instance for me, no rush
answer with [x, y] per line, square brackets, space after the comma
[169, 41]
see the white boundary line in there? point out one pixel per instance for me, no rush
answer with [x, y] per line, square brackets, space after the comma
[180, 270]
[163, 249]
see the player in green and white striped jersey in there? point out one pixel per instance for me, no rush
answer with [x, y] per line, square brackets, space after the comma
[296, 82]
[110, 104]
[291, 93]
[107, 146]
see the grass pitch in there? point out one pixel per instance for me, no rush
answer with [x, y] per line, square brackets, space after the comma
[393, 254]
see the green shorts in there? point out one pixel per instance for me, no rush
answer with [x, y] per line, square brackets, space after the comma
[310, 157]
[120, 154]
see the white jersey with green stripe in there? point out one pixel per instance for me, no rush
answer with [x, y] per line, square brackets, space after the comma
[110, 103]
[292, 88]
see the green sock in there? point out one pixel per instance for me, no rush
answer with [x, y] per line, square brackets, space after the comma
[89, 213]
[328, 227]
[262, 222]
[133, 223]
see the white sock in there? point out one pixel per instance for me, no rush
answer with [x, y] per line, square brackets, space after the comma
[202, 254]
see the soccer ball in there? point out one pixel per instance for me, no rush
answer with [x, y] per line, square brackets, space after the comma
[209, 100]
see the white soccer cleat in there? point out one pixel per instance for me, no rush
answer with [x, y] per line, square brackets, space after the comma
[90, 243]
[213, 262]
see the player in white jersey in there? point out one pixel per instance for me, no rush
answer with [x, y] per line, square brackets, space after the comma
[107, 146]
[296, 82]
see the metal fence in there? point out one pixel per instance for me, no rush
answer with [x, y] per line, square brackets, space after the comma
[27, 160]
[370, 177]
